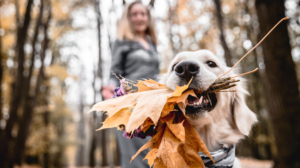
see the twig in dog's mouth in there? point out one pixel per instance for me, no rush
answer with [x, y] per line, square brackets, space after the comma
[221, 84]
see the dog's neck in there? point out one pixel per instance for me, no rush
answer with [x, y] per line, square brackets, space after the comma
[224, 158]
[216, 133]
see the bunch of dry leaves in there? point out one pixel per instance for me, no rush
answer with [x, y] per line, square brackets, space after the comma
[176, 143]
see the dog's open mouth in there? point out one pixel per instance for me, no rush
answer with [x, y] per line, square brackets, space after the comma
[204, 102]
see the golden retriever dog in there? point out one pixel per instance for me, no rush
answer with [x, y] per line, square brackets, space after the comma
[227, 119]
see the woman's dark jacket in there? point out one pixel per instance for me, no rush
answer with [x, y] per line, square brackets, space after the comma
[131, 60]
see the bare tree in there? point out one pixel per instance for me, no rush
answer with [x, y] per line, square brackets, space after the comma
[92, 151]
[281, 84]
[98, 136]
[81, 124]
[172, 18]
[23, 131]
[18, 88]
[1, 72]
[222, 37]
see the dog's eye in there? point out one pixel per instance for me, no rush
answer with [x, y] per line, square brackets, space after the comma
[174, 66]
[211, 64]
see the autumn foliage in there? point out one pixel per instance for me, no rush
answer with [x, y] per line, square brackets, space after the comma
[176, 143]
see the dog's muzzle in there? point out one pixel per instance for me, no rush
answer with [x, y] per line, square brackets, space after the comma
[186, 70]
[203, 102]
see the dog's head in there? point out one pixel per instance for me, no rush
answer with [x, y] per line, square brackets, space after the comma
[204, 67]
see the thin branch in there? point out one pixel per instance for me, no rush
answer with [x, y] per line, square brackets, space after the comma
[245, 73]
[286, 18]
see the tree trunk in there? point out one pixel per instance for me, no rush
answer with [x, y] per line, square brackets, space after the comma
[17, 90]
[103, 134]
[1, 72]
[23, 131]
[281, 83]
[221, 29]
[260, 150]
[92, 154]
[252, 147]
[33, 53]
[81, 126]
[172, 14]
[46, 117]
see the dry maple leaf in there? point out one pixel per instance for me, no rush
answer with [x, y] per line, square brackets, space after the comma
[168, 151]
[176, 145]
[149, 105]
[120, 118]
[149, 85]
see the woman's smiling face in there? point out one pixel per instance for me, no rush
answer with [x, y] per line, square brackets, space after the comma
[139, 18]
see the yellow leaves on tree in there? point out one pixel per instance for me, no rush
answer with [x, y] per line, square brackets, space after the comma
[57, 71]
[176, 143]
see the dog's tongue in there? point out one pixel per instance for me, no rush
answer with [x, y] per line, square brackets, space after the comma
[192, 100]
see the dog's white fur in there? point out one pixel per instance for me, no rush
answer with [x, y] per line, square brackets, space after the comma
[231, 119]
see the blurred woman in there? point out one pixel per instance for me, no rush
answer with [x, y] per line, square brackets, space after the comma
[134, 56]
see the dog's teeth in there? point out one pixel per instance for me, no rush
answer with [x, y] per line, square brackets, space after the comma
[200, 100]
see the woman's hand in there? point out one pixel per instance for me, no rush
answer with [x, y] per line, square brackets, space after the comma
[108, 91]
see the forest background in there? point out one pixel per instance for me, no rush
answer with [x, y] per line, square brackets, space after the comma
[55, 57]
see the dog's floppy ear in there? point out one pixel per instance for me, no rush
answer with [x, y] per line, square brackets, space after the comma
[243, 116]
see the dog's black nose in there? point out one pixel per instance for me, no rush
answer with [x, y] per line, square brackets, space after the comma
[187, 69]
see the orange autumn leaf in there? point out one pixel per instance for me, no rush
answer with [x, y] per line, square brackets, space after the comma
[180, 140]
[168, 117]
[149, 105]
[182, 106]
[177, 130]
[180, 89]
[151, 156]
[149, 85]
[167, 108]
[183, 97]
[167, 151]
[112, 106]
[153, 143]
[192, 146]
[146, 125]
[120, 118]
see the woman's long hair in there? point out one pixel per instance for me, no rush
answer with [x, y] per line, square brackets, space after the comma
[125, 30]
